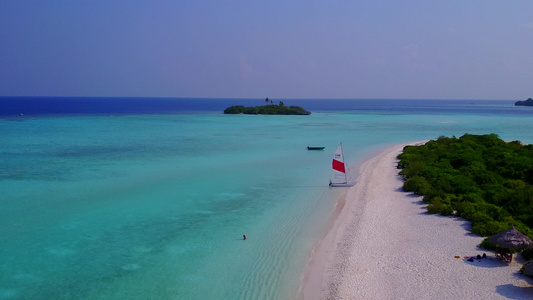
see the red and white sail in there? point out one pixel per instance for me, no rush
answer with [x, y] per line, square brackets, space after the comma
[338, 161]
[341, 173]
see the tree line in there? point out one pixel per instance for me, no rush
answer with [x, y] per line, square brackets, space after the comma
[480, 178]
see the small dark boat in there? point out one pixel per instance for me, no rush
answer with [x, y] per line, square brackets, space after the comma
[315, 148]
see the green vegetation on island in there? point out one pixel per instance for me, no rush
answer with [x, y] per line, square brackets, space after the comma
[269, 109]
[528, 102]
[479, 178]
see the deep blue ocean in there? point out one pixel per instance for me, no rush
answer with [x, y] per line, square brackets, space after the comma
[57, 106]
[148, 198]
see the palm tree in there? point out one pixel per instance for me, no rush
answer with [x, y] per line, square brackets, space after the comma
[268, 100]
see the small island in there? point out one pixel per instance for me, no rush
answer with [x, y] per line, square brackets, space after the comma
[269, 109]
[528, 102]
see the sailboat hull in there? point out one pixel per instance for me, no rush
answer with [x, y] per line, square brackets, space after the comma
[341, 184]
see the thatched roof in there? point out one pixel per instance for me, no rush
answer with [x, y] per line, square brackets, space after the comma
[511, 239]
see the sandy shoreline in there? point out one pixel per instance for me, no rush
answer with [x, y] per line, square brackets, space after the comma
[384, 245]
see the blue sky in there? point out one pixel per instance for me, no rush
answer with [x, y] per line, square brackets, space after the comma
[279, 49]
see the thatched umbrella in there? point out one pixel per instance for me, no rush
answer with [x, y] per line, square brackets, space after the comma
[511, 239]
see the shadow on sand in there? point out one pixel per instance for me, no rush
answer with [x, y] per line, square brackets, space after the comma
[511, 291]
[489, 262]
[517, 292]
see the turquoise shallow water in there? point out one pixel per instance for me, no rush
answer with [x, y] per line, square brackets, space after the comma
[155, 206]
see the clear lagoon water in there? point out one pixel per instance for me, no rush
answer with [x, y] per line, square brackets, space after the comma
[136, 198]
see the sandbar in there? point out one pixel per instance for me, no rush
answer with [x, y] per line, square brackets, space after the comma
[384, 245]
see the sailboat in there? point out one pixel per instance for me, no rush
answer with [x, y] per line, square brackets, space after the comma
[341, 173]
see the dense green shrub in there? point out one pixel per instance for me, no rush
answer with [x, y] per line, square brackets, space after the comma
[527, 254]
[417, 184]
[488, 228]
[487, 244]
[237, 109]
[479, 178]
[438, 205]
[466, 210]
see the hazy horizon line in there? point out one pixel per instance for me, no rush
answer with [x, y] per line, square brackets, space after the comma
[264, 98]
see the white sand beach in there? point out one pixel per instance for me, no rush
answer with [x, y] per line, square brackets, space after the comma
[384, 245]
